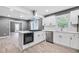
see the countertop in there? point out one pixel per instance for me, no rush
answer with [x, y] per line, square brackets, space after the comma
[25, 31]
[51, 30]
[62, 31]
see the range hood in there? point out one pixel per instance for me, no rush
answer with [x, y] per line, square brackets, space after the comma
[35, 15]
[36, 24]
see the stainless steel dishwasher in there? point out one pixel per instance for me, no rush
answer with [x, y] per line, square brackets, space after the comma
[49, 36]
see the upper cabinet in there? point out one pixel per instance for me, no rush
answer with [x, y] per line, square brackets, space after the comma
[49, 21]
[74, 16]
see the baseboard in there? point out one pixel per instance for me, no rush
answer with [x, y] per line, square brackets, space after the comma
[3, 37]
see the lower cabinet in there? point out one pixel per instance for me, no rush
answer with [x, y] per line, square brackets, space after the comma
[75, 41]
[57, 38]
[39, 36]
[61, 38]
[66, 39]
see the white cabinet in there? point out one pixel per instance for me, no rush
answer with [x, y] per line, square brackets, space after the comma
[49, 21]
[57, 37]
[75, 41]
[62, 39]
[39, 36]
[67, 39]
[74, 17]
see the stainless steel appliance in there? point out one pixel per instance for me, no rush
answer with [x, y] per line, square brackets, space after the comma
[49, 36]
[28, 38]
[36, 24]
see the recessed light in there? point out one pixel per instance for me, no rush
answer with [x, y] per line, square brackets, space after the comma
[11, 9]
[21, 16]
[47, 10]
[8, 15]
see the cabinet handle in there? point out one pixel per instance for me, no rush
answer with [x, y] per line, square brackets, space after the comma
[60, 36]
[38, 35]
[71, 38]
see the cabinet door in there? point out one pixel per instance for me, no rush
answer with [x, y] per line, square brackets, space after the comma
[39, 36]
[66, 39]
[74, 17]
[43, 36]
[75, 41]
[36, 36]
[62, 38]
[49, 21]
[57, 38]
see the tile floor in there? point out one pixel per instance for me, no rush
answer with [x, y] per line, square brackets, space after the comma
[10, 45]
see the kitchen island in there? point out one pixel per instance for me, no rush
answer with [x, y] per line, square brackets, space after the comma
[25, 39]
[28, 38]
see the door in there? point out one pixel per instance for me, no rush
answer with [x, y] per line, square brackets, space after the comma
[17, 27]
[74, 17]
[28, 38]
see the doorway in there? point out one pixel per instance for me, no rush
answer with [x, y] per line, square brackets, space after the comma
[17, 27]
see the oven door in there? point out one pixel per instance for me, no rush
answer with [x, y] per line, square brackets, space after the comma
[28, 38]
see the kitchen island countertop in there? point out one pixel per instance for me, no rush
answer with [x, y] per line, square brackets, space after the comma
[25, 31]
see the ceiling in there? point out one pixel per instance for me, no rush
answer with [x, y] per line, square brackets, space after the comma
[44, 10]
[41, 10]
